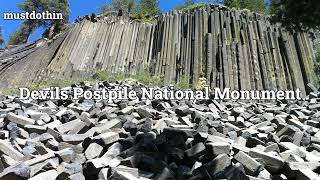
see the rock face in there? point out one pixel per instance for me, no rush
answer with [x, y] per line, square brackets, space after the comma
[21, 65]
[135, 139]
[230, 48]
[235, 49]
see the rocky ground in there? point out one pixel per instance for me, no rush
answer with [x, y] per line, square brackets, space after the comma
[87, 139]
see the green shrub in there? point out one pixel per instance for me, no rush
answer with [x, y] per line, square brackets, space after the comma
[58, 83]
[141, 18]
[184, 83]
[191, 7]
[105, 76]
[10, 92]
[142, 76]
[202, 83]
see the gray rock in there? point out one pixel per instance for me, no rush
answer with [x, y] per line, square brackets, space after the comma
[20, 171]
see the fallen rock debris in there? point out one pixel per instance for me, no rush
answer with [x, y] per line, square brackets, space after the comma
[173, 139]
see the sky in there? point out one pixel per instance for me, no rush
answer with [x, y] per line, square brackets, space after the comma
[77, 7]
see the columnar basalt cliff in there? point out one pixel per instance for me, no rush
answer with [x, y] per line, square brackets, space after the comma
[240, 50]
[230, 48]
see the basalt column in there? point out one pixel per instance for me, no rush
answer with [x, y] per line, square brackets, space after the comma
[230, 48]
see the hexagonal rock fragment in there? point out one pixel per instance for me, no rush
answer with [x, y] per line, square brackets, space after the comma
[182, 110]
[74, 138]
[92, 167]
[127, 110]
[16, 172]
[67, 154]
[215, 167]
[8, 149]
[217, 148]
[108, 137]
[131, 127]
[35, 129]
[252, 166]
[237, 111]
[272, 163]
[93, 151]
[144, 113]
[20, 120]
[195, 151]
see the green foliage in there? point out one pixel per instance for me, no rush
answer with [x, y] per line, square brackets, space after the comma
[22, 34]
[141, 18]
[142, 12]
[17, 38]
[193, 6]
[1, 38]
[142, 76]
[105, 76]
[149, 7]
[253, 5]
[52, 27]
[232, 3]
[299, 15]
[39, 85]
[184, 83]
[186, 4]
[58, 83]
[127, 6]
[42, 84]
[10, 92]
[202, 83]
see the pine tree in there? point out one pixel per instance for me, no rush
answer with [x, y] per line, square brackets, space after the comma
[127, 6]
[232, 3]
[186, 4]
[22, 34]
[299, 15]
[52, 27]
[253, 5]
[149, 7]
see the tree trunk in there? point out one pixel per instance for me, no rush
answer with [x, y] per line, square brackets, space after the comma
[51, 31]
